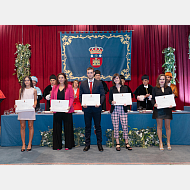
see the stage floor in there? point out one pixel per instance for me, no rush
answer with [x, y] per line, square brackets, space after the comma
[180, 155]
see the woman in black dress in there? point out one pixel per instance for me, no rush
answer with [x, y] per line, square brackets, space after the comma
[161, 89]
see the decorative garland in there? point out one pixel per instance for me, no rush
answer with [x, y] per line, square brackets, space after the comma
[22, 63]
[169, 65]
[136, 137]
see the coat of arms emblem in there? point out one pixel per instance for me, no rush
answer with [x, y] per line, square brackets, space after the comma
[96, 56]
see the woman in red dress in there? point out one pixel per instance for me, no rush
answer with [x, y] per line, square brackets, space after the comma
[76, 102]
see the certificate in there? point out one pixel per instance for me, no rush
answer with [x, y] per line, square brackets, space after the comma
[24, 105]
[122, 98]
[59, 105]
[165, 101]
[90, 99]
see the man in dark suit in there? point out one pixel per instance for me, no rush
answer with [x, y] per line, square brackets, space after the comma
[92, 86]
[129, 90]
[106, 90]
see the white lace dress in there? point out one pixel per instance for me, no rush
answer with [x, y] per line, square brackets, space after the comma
[28, 115]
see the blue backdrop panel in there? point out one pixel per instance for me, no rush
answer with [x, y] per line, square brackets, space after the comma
[10, 127]
[108, 52]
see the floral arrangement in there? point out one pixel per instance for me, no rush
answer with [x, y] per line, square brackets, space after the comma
[22, 63]
[47, 137]
[79, 136]
[136, 138]
[169, 65]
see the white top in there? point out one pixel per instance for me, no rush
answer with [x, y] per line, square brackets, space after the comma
[90, 81]
[28, 115]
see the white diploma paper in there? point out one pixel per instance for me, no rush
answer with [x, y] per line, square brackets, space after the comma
[59, 105]
[165, 101]
[24, 105]
[150, 97]
[90, 99]
[141, 98]
[122, 98]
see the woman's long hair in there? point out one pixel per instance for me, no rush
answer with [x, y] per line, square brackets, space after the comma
[66, 81]
[114, 76]
[77, 82]
[24, 86]
[157, 81]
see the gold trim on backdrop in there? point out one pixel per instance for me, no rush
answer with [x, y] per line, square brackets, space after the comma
[68, 39]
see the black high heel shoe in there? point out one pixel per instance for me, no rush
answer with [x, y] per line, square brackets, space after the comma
[23, 149]
[29, 149]
[128, 147]
[118, 148]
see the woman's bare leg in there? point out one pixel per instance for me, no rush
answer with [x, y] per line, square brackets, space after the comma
[31, 132]
[168, 131]
[22, 132]
[159, 131]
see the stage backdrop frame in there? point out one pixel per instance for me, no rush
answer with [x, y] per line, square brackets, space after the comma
[108, 52]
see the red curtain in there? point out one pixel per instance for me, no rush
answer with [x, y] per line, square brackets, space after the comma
[146, 55]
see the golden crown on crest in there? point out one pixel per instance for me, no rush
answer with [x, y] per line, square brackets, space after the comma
[95, 50]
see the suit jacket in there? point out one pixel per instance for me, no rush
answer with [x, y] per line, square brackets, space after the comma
[68, 95]
[113, 89]
[97, 89]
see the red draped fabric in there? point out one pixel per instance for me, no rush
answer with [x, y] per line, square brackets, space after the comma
[146, 55]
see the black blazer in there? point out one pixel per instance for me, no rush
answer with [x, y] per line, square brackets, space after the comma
[113, 89]
[97, 89]
[158, 92]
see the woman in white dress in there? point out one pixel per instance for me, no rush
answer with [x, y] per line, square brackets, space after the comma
[27, 91]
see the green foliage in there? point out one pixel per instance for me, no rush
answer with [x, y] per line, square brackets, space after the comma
[79, 136]
[136, 138]
[169, 65]
[47, 137]
[22, 62]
